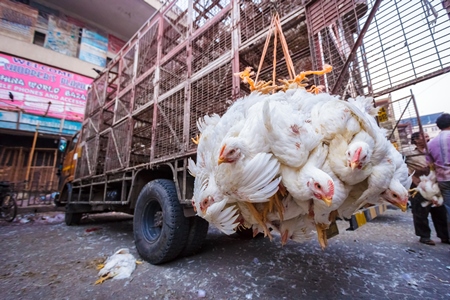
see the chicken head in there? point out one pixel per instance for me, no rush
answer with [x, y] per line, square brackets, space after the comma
[358, 155]
[230, 150]
[396, 195]
[322, 189]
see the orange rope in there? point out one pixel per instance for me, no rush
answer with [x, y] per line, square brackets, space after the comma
[274, 70]
[275, 27]
[289, 64]
[266, 46]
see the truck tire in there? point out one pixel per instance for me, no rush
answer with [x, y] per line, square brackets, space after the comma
[72, 218]
[197, 233]
[159, 225]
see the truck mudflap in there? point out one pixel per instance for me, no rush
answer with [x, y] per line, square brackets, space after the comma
[361, 217]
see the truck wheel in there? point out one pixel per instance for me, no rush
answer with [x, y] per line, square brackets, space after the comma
[160, 228]
[197, 234]
[72, 218]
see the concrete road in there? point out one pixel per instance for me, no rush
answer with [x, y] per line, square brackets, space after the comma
[45, 259]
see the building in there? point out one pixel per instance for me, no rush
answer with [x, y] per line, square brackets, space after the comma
[428, 124]
[50, 51]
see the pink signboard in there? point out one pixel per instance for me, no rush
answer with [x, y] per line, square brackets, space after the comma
[114, 44]
[40, 89]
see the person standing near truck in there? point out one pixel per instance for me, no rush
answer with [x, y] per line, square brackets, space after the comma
[439, 156]
[418, 166]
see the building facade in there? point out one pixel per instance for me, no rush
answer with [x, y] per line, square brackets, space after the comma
[50, 52]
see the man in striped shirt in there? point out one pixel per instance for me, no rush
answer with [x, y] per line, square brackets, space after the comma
[439, 155]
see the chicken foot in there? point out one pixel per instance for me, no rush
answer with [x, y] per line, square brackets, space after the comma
[322, 235]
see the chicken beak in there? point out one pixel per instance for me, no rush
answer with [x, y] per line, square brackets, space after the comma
[221, 160]
[403, 206]
[353, 165]
[327, 200]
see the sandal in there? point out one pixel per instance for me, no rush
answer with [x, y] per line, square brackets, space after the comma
[427, 241]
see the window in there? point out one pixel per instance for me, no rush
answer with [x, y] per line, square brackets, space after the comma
[39, 38]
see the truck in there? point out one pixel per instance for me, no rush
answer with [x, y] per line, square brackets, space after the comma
[132, 152]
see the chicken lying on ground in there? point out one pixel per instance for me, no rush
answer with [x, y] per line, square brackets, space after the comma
[120, 265]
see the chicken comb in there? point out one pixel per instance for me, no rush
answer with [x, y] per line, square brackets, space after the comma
[358, 152]
[331, 187]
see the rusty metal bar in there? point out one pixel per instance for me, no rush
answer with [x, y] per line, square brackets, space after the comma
[413, 81]
[355, 47]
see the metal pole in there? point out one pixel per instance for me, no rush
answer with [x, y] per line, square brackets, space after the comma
[356, 45]
[30, 157]
[418, 117]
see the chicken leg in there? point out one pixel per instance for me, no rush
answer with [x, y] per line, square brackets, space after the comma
[258, 218]
[322, 235]
[274, 203]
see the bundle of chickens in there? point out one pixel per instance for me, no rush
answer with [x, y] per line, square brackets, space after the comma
[429, 189]
[285, 160]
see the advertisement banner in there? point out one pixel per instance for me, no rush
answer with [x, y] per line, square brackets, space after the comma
[93, 48]
[62, 37]
[42, 90]
[114, 44]
[17, 20]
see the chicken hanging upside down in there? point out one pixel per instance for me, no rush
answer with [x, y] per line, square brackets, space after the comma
[286, 161]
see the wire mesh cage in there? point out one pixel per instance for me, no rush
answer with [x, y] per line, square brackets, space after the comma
[126, 69]
[173, 71]
[142, 137]
[404, 42]
[148, 50]
[101, 153]
[209, 95]
[93, 125]
[113, 83]
[82, 169]
[123, 105]
[117, 152]
[176, 25]
[107, 116]
[144, 91]
[212, 43]
[96, 96]
[205, 10]
[169, 129]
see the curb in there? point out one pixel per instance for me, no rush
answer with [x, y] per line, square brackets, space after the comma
[38, 209]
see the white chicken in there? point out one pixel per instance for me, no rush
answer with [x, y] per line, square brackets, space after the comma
[120, 265]
[298, 229]
[429, 189]
[290, 133]
[309, 182]
[325, 214]
[351, 162]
